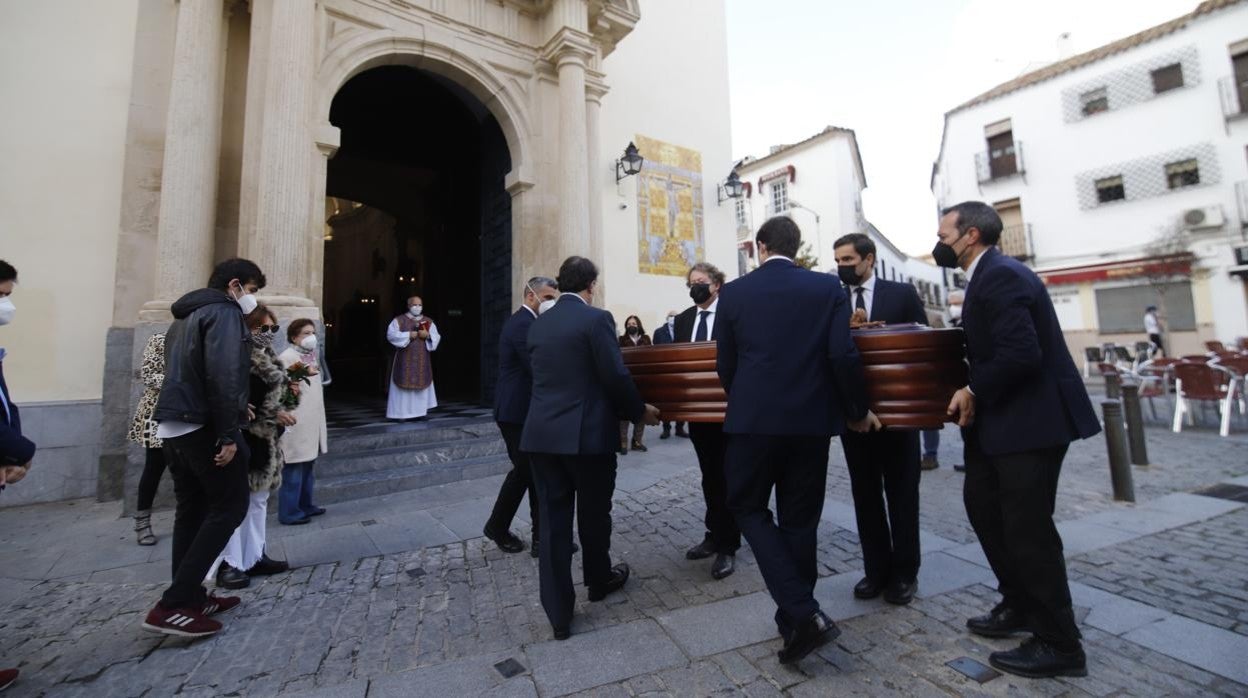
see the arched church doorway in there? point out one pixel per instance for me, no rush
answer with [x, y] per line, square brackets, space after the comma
[416, 205]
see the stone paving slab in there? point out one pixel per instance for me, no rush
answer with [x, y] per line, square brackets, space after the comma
[1194, 506]
[353, 689]
[417, 529]
[465, 519]
[588, 660]
[338, 544]
[1112, 613]
[1079, 537]
[940, 573]
[712, 628]
[1213, 649]
[473, 676]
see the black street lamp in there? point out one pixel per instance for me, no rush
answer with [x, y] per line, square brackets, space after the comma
[730, 189]
[630, 164]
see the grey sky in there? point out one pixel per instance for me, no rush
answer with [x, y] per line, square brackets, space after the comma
[890, 69]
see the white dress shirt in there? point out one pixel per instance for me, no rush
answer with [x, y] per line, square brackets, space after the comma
[868, 294]
[970, 271]
[710, 320]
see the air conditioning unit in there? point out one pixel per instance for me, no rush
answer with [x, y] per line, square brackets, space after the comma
[1205, 217]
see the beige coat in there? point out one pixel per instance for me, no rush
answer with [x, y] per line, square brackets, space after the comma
[309, 437]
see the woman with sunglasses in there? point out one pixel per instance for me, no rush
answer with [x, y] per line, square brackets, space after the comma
[244, 555]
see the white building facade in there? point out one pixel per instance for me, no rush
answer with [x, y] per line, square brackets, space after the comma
[1120, 175]
[818, 182]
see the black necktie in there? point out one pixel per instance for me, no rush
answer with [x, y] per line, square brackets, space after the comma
[700, 334]
[860, 303]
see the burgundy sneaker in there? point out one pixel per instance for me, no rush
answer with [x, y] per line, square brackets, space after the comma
[219, 604]
[7, 677]
[183, 622]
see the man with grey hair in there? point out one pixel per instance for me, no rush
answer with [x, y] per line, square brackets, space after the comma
[511, 406]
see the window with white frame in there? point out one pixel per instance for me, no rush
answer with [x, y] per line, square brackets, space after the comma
[779, 197]
[742, 218]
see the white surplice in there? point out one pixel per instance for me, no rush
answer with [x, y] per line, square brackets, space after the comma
[410, 404]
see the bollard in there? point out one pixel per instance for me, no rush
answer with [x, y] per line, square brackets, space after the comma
[1116, 441]
[1113, 386]
[1135, 424]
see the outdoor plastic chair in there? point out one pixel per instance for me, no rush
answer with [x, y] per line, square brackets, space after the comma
[1201, 382]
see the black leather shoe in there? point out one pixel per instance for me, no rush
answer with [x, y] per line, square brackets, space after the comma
[667, 434]
[701, 551]
[960, 468]
[267, 566]
[316, 511]
[1001, 621]
[680, 431]
[1038, 659]
[724, 566]
[231, 578]
[506, 540]
[623, 451]
[814, 632]
[867, 589]
[562, 633]
[639, 446]
[901, 592]
[619, 575]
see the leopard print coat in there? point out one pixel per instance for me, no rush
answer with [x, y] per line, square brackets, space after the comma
[268, 381]
[152, 373]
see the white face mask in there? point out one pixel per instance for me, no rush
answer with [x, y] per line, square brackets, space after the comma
[415, 310]
[308, 343]
[955, 311]
[247, 302]
[545, 305]
[7, 310]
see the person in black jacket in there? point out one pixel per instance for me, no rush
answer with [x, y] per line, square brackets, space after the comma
[511, 406]
[16, 451]
[581, 390]
[200, 413]
[883, 465]
[1023, 406]
[697, 324]
[794, 379]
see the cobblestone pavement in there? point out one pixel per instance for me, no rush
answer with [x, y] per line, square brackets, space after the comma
[400, 596]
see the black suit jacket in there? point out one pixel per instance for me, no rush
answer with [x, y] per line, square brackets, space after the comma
[581, 389]
[15, 449]
[894, 302]
[785, 356]
[662, 335]
[687, 323]
[515, 376]
[1028, 393]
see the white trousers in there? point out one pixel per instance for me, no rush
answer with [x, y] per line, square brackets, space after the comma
[247, 544]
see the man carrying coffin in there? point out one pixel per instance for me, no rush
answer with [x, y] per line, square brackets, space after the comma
[416, 337]
[883, 465]
[1024, 405]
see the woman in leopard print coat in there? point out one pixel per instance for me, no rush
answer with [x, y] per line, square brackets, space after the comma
[143, 433]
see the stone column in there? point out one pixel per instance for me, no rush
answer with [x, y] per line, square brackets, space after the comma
[571, 53]
[188, 183]
[276, 228]
[594, 182]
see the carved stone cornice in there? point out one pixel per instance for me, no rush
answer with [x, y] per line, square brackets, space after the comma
[612, 20]
[567, 45]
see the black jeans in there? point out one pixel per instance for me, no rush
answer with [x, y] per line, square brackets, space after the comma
[211, 502]
[1009, 501]
[884, 466]
[797, 467]
[518, 482]
[586, 482]
[721, 528]
[149, 482]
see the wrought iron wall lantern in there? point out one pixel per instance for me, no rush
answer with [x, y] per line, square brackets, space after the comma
[730, 189]
[630, 164]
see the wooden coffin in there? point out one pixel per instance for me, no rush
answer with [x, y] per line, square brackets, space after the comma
[912, 371]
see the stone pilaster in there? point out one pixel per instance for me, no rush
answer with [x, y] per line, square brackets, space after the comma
[188, 184]
[570, 52]
[596, 180]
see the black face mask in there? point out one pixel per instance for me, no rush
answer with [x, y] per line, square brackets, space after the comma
[700, 293]
[945, 256]
[634, 331]
[850, 275]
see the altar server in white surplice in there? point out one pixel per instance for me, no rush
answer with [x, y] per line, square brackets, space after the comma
[415, 336]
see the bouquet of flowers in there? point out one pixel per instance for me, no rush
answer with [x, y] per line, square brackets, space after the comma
[296, 374]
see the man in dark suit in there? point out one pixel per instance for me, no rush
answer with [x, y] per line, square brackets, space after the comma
[697, 324]
[793, 379]
[581, 391]
[511, 406]
[885, 464]
[1024, 405]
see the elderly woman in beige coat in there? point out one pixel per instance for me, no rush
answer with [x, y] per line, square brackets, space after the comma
[306, 440]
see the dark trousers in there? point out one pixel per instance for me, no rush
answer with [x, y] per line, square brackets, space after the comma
[518, 482]
[149, 482]
[884, 468]
[1158, 348]
[931, 442]
[211, 502]
[586, 482]
[721, 528]
[797, 467]
[1009, 501]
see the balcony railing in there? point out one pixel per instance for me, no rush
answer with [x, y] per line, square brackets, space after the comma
[1016, 241]
[1241, 200]
[1234, 101]
[990, 169]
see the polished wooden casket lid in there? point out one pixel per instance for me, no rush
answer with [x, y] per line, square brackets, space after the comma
[912, 371]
